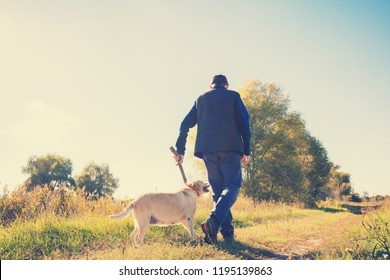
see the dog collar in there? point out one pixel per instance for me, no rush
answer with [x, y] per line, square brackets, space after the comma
[195, 190]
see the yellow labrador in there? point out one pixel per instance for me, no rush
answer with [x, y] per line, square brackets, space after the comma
[164, 209]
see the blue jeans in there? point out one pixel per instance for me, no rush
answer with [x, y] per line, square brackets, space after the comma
[225, 177]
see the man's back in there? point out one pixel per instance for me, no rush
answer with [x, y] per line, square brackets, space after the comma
[217, 125]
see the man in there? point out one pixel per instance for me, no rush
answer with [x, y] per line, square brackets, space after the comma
[223, 142]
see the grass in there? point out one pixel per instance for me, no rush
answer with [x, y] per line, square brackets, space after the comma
[58, 238]
[367, 240]
[66, 225]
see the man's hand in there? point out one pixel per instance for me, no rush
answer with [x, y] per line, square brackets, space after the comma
[179, 159]
[245, 160]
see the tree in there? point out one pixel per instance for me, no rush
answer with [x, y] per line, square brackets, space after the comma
[318, 170]
[97, 180]
[52, 170]
[287, 163]
[274, 172]
[339, 183]
[344, 183]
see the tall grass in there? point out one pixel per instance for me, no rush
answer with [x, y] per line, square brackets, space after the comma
[373, 238]
[67, 224]
[42, 202]
[60, 238]
[60, 223]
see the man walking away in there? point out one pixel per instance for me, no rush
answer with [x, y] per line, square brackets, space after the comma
[223, 142]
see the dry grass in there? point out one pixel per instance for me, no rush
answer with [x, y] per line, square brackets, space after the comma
[21, 205]
[67, 225]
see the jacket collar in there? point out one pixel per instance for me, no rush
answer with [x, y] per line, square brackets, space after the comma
[219, 87]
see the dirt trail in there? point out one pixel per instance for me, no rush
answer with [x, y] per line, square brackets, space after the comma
[325, 237]
[300, 239]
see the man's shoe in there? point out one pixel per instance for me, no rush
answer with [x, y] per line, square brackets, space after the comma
[210, 229]
[229, 239]
[208, 240]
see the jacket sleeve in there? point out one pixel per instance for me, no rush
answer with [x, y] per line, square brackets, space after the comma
[189, 121]
[242, 118]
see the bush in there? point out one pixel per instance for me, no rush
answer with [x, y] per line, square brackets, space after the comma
[355, 197]
[23, 205]
[377, 226]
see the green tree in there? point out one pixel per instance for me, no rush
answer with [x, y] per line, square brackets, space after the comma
[274, 172]
[52, 170]
[287, 163]
[341, 183]
[97, 180]
[317, 169]
[344, 183]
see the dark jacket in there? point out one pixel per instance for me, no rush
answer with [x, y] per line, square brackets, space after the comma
[223, 124]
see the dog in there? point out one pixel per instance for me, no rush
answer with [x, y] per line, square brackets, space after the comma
[164, 209]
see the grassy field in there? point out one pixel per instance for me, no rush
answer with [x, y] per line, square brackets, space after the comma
[65, 225]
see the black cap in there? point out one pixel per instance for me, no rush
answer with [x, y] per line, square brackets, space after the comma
[219, 79]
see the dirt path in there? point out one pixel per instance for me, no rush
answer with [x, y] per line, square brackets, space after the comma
[324, 237]
[298, 239]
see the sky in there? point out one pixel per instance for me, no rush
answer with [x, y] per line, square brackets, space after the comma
[110, 81]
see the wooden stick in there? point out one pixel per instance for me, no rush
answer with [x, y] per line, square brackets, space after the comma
[179, 164]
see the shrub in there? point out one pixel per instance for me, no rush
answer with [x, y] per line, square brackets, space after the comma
[377, 226]
[26, 205]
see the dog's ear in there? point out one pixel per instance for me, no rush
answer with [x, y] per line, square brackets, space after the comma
[196, 185]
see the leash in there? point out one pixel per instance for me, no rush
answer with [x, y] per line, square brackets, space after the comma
[179, 164]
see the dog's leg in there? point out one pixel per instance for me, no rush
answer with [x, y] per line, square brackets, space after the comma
[189, 225]
[142, 231]
[134, 235]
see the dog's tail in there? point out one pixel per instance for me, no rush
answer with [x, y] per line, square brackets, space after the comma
[124, 214]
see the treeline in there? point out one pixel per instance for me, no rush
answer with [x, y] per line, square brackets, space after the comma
[288, 164]
[54, 172]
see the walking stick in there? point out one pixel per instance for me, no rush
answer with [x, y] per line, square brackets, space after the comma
[179, 164]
